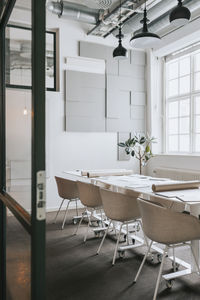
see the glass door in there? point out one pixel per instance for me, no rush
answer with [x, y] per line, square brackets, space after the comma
[22, 145]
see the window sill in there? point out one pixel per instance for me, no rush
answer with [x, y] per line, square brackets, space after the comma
[179, 154]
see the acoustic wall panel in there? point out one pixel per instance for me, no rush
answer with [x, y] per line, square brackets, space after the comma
[92, 50]
[101, 52]
[139, 125]
[134, 66]
[89, 109]
[85, 101]
[138, 98]
[137, 112]
[138, 58]
[121, 138]
[84, 124]
[125, 91]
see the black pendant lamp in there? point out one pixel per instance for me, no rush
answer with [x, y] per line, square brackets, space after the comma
[145, 39]
[120, 52]
[180, 15]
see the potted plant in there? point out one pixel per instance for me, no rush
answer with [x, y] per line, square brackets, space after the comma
[140, 148]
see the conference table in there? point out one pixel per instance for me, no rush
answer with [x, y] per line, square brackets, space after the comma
[190, 198]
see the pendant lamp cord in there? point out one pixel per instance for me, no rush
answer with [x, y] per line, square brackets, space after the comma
[145, 29]
[120, 26]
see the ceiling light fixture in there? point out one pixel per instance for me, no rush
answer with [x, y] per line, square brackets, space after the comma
[145, 39]
[120, 52]
[180, 15]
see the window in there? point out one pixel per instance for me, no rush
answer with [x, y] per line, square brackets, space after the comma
[183, 104]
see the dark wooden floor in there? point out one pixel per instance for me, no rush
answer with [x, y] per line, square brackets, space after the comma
[74, 272]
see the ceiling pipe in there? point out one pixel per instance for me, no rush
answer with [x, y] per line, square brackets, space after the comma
[158, 16]
[157, 10]
[163, 21]
[73, 11]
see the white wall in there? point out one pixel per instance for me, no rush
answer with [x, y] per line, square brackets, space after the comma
[67, 150]
[64, 150]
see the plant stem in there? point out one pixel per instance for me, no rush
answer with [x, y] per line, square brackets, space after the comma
[140, 167]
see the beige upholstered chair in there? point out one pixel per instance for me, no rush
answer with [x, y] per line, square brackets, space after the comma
[67, 190]
[90, 197]
[166, 226]
[119, 207]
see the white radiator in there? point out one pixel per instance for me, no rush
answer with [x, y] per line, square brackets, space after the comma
[177, 174]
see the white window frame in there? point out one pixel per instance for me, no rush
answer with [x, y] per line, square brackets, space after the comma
[191, 95]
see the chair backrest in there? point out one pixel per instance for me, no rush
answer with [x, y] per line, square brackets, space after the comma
[67, 189]
[163, 225]
[175, 205]
[89, 194]
[119, 206]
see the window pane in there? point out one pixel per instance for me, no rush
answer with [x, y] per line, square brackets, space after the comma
[184, 108]
[173, 143]
[173, 87]
[184, 66]
[184, 143]
[197, 123]
[173, 126]
[173, 70]
[173, 109]
[184, 125]
[197, 142]
[197, 81]
[197, 62]
[184, 85]
[197, 105]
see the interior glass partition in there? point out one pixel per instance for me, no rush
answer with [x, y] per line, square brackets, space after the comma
[19, 104]
[22, 149]
[18, 145]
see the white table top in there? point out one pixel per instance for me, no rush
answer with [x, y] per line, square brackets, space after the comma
[142, 184]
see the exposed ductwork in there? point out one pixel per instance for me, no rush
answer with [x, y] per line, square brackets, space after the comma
[158, 15]
[153, 13]
[73, 11]
[162, 22]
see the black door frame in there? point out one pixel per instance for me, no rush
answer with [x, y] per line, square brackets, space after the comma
[34, 223]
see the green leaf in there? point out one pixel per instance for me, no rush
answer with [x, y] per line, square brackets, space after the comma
[127, 151]
[133, 142]
[142, 140]
[147, 149]
[121, 145]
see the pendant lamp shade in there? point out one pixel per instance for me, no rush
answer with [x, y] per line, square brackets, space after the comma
[120, 52]
[180, 15]
[144, 39]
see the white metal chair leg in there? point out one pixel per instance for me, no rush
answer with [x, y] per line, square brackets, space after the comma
[101, 218]
[143, 261]
[102, 241]
[63, 224]
[174, 259]
[160, 273]
[89, 223]
[116, 246]
[127, 235]
[195, 259]
[81, 220]
[76, 208]
[58, 211]
[114, 227]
